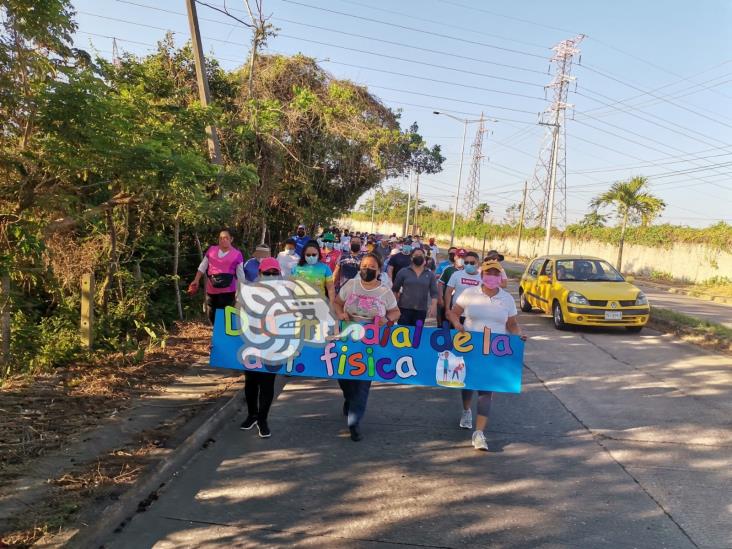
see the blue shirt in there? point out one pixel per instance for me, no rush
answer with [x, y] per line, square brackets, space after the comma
[442, 266]
[300, 242]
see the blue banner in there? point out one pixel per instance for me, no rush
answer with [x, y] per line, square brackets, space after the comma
[412, 355]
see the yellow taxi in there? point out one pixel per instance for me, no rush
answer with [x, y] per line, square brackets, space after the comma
[582, 290]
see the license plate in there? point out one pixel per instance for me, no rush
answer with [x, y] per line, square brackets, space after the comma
[613, 315]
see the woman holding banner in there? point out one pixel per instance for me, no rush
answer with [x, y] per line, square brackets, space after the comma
[363, 298]
[487, 306]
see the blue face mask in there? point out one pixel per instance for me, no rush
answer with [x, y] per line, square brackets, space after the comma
[407, 249]
[311, 259]
[471, 269]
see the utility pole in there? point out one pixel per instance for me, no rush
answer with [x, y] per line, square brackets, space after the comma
[521, 220]
[416, 204]
[460, 177]
[409, 204]
[548, 191]
[214, 148]
[373, 210]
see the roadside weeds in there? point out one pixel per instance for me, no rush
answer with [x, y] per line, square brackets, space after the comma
[708, 335]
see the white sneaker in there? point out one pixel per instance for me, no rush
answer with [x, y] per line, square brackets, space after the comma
[466, 420]
[479, 442]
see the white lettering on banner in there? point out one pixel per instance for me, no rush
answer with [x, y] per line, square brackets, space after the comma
[469, 281]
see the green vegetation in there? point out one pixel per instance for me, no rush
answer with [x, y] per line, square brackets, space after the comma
[104, 169]
[707, 334]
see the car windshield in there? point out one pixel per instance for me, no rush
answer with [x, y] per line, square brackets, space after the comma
[586, 270]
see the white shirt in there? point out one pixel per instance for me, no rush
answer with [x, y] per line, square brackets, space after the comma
[435, 251]
[461, 281]
[482, 311]
[203, 267]
[287, 262]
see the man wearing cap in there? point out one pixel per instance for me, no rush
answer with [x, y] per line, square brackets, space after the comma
[493, 255]
[251, 267]
[434, 248]
[401, 260]
[454, 263]
[329, 255]
[450, 261]
[301, 238]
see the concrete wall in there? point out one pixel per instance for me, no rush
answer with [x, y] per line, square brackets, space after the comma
[688, 262]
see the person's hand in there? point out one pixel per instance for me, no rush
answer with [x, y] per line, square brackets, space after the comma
[344, 316]
[523, 337]
[460, 328]
[192, 288]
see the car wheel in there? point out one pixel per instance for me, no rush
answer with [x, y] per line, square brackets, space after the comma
[524, 303]
[558, 316]
[634, 329]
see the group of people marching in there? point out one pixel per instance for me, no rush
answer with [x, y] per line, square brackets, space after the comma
[365, 276]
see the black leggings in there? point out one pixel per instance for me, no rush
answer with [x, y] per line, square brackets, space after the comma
[259, 393]
[484, 401]
[218, 301]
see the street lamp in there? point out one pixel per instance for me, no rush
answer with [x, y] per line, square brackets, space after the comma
[465, 122]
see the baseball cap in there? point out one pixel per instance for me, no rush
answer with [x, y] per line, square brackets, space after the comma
[269, 264]
[301, 227]
[460, 252]
[490, 264]
[328, 237]
[494, 253]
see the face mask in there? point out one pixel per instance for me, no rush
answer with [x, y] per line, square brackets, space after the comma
[492, 281]
[290, 251]
[355, 248]
[418, 260]
[367, 275]
[459, 262]
[471, 269]
[329, 246]
[311, 259]
[406, 248]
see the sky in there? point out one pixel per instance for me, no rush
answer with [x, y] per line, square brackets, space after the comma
[652, 95]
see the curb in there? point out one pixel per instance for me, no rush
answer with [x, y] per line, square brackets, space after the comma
[681, 291]
[145, 491]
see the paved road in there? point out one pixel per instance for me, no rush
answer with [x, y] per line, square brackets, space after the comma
[721, 313]
[617, 440]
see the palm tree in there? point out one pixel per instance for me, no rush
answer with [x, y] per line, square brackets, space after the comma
[632, 202]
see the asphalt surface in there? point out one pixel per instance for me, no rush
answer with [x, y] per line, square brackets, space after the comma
[617, 440]
[720, 313]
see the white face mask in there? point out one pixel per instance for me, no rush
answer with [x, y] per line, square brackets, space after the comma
[290, 251]
[458, 261]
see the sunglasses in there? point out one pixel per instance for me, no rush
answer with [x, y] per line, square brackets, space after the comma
[271, 273]
[311, 255]
[469, 262]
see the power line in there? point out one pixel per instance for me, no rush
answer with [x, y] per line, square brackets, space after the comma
[633, 86]
[413, 29]
[445, 24]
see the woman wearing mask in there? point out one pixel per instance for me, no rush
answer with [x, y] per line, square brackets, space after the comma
[223, 266]
[415, 288]
[461, 280]
[363, 298]
[288, 258]
[259, 386]
[329, 255]
[493, 255]
[455, 263]
[348, 263]
[313, 271]
[486, 306]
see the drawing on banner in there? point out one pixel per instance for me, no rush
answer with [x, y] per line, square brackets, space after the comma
[450, 370]
[279, 317]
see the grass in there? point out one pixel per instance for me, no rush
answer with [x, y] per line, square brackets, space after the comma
[716, 286]
[701, 332]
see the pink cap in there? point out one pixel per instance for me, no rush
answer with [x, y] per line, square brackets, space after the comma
[269, 264]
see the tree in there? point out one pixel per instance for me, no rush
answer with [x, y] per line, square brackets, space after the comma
[593, 219]
[481, 210]
[632, 203]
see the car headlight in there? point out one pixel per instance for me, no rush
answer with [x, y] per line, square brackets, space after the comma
[641, 299]
[577, 298]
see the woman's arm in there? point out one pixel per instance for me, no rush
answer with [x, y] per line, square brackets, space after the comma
[512, 327]
[341, 313]
[454, 314]
[393, 314]
[330, 289]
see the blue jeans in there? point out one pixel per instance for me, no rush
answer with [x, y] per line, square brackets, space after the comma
[356, 393]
